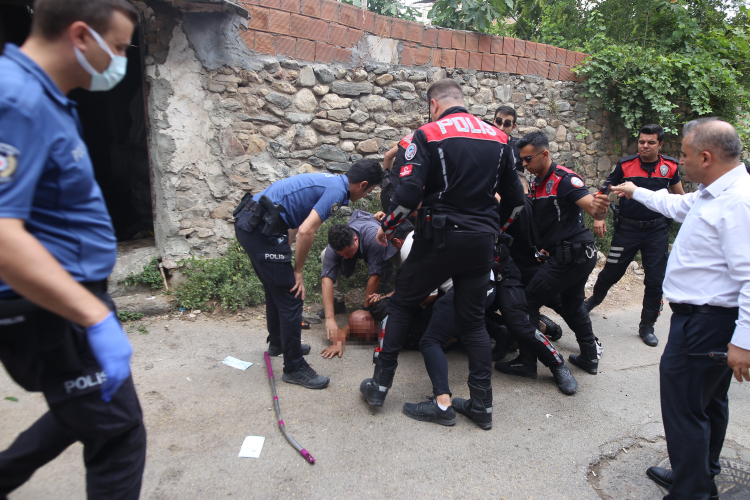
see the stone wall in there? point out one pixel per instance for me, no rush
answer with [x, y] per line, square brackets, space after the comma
[228, 114]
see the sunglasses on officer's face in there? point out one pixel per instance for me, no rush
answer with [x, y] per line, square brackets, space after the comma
[507, 123]
[528, 159]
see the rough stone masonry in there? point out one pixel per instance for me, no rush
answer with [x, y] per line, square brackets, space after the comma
[226, 118]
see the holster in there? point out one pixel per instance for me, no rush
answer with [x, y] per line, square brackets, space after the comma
[271, 215]
[31, 338]
[438, 231]
[615, 215]
[243, 203]
[566, 252]
[423, 227]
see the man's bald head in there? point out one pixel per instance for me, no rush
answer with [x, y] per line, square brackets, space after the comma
[715, 136]
[445, 89]
[362, 326]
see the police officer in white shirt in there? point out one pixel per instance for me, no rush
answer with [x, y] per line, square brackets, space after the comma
[708, 286]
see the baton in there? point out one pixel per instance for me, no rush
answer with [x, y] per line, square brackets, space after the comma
[719, 357]
[289, 438]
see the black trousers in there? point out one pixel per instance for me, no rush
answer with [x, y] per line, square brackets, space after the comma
[511, 300]
[653, 244]
[113, 435]
[694, 403]
[271, 257]
[441, 329]
[568, 281]
[467, 258]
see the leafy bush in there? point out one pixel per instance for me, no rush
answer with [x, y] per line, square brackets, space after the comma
[150, 276]
[392, 8]
[232, 282]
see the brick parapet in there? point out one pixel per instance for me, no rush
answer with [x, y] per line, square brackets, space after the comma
[287, 28]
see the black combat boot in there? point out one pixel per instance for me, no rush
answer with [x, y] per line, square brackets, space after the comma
[524, 365]
[592, 302]
[552, 330]
[588, 360]
[376, 388]
[646, 328]
[565, 380]
[478, 407]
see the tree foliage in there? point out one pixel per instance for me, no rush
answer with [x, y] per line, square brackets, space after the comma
[392, 8]
[662, 61]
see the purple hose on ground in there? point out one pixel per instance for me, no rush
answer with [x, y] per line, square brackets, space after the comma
[289, 438]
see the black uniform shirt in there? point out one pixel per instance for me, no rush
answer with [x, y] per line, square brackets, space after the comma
[455, 165]
[556, 216]
[652, 176]
[399, 162]
[522, 250]
[517, 163]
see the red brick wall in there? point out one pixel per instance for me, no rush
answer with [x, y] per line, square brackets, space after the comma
[327, 31]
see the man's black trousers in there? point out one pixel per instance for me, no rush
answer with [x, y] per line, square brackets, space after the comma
[567, 280]
[694, 403]
[511, 300]
[653, 244]
[112, 434]
[441, 329]
[271, 257]
[467, 258]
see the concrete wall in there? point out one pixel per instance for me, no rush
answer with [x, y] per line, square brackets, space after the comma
[313, 85]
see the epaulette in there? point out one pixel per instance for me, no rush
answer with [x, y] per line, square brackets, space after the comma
[669, 158]
[627, 158]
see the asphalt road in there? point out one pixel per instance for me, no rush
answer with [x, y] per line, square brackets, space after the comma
[543, 444]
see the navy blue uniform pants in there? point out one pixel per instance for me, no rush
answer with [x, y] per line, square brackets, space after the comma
[626, 242]
[568, 281]
[694, 404]
[441, 329]
[271, 257]
[467, 258]
[112, 434]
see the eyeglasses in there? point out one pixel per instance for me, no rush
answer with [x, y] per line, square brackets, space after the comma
[507, 123]
[528, 159]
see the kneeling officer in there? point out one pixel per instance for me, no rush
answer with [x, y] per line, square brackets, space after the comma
[267, 224]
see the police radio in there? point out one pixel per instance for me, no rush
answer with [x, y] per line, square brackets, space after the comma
[605, 188]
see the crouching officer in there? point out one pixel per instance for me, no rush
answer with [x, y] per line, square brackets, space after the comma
[393, 162]
[639, 228]
[559, 199]
[267, 224]
[58, 330]
[455, 165]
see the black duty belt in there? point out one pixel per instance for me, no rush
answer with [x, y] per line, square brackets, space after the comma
[704, 309]
[643, 224]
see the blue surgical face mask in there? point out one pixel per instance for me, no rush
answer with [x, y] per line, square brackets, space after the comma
[111, 76]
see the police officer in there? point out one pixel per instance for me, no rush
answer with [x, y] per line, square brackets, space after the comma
[392, 163]
[455, 164]
[559, 199]
[639, 228]
[58, 330]
[505, 119]
[267, 224]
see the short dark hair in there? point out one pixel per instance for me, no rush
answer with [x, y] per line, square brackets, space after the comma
[403, 230]
[715, 135]
[52, 17]
[506, 110]
[340, 236]
[365, 170]
[445, 88]
[653, 129]
[536, 139]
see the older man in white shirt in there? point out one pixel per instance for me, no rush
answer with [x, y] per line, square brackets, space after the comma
[708, 286]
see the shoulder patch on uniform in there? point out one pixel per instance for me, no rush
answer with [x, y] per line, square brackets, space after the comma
[406, 171]
[335, 207]
[664, 169]
[8, 162]
[576, 182]
[411, 151]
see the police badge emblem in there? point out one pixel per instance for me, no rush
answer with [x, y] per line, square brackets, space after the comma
[8, 162]
[664, 170]
[550, 184]
[335, 208]
[411, 151]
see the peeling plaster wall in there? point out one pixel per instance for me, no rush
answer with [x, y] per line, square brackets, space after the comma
[224, 119]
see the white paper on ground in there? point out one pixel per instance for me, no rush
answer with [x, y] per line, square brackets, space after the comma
[251, 446]
[237, 363]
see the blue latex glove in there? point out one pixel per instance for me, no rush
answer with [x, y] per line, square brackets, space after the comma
[112, 350]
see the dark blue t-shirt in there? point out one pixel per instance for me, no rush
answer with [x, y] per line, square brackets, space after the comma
[300, 194]
[46, 175]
